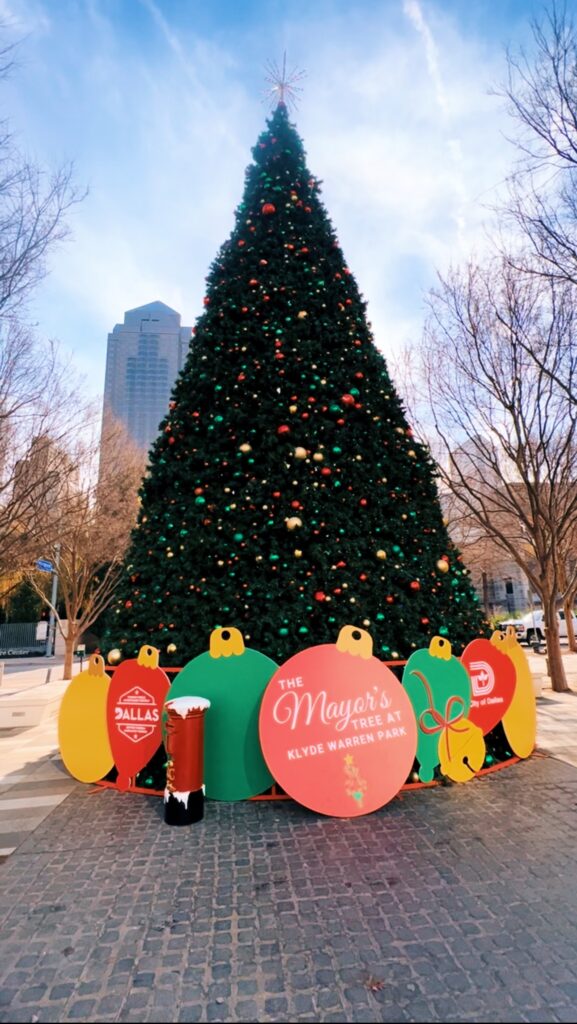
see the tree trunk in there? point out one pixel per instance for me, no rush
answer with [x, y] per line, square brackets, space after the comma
[554, 656]
[70, 643]
[568, 609]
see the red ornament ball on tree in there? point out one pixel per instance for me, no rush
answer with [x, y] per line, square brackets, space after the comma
[347, 399]
[268, 208]
[415, 585]
[320, 596]
[283, 429]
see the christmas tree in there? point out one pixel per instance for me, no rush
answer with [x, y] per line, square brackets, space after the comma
[286, 494]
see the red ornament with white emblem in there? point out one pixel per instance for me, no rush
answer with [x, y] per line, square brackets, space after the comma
[134, 711]
[493, 679]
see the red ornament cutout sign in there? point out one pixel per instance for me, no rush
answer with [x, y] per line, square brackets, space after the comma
[493, 678]
[337, 729]
[134, 709]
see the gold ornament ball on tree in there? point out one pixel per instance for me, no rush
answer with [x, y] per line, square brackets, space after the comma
[318, 456]
[171, 649]
[443, 565]
[114, 656]
[293, 522]
[245, 448]
[298, 553]
[381, 554]
[300, 453]
[302, 315]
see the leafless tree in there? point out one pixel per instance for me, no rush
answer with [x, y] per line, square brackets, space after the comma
[34, 204]
[505, 432]
[40, 410]
[93, 527]
[541, 94]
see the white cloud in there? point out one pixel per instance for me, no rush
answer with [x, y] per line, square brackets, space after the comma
[395, 118]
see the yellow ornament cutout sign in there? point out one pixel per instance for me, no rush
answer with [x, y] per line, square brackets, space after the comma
[520, 718]
[82, 728]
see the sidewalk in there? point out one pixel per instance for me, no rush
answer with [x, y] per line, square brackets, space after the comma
[33, 780]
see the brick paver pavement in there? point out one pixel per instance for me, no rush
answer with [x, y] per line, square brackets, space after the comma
[457, 903]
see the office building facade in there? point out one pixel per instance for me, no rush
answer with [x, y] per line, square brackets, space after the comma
[144, 356]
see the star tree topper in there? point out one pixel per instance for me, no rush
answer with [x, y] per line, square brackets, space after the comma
[283, 84]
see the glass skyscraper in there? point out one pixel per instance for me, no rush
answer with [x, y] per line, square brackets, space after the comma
[143, 358]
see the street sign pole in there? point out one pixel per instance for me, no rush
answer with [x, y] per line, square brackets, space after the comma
[51, 635]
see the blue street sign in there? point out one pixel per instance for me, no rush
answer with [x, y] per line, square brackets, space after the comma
[44, 565]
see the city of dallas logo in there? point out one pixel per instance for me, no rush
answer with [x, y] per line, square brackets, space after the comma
[136, 715]
[482, 678]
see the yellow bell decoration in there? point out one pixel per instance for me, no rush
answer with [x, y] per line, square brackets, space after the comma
[82, 729]
[461, 750]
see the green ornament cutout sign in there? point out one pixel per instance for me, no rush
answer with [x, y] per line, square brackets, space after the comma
[233, 678]
[440, 692]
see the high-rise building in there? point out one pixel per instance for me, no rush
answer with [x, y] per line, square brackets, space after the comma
[143, 358]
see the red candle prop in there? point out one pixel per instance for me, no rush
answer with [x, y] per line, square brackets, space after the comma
[184, 794]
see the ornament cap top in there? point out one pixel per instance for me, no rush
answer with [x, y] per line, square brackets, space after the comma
[357, 642]
[225, 642]
[96, 665]
[148, 657]
[439, 647]
[504, 640]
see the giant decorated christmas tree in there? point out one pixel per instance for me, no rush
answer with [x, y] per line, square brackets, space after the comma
[286, 494]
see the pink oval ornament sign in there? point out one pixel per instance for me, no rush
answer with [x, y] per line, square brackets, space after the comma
[337, 729]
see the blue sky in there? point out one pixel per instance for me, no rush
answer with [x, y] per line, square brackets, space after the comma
[159, 102]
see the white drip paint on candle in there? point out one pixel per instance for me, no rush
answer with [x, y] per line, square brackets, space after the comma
[182, 705]
[178, 795]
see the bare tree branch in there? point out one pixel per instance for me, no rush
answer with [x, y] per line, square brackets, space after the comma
[505, 431]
